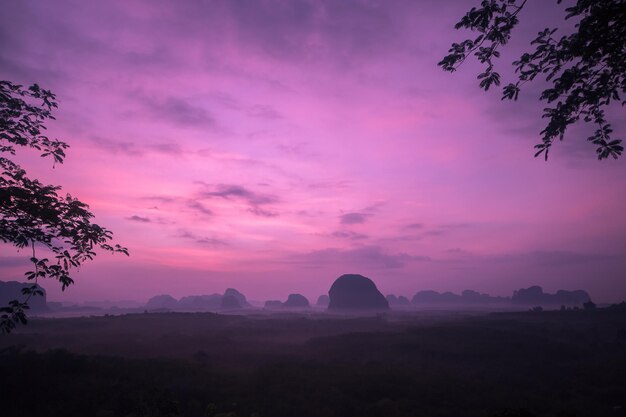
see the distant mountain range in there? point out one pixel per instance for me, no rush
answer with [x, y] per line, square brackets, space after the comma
[294, 301]
[531, 296]
[356, 292]
[230, 300]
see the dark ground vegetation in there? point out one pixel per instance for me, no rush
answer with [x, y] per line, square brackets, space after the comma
[554, 363]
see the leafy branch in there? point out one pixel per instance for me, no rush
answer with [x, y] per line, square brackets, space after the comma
[34, 214]
[587, 68]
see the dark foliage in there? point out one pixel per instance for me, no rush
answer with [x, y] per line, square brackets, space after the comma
[32, 214]
[548, 364]
[586, 69]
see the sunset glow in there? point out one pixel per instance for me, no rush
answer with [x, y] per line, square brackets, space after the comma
[273, 146]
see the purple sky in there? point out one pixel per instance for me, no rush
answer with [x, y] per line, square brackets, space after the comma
[272, 146]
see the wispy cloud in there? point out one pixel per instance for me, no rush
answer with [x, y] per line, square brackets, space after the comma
[257, 202]
[139, 219]
[360, 258]
[353, 218]
[181, 203]
[136, 149]
[230, 191]
[202, 240]
[347, 234]
[555, 258]
[148, 220]
[166, 148]
[199, 207]
[117, 147]
[177, 110]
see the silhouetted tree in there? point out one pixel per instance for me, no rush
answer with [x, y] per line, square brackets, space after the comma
[33, 215]
[587, 68]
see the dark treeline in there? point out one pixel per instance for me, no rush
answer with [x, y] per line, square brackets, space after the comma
[554, 363]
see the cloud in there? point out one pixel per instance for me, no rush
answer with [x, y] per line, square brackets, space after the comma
[229, 191]
[373, 208]
[161, 198]
[199, 207]
[329, 185]
[353, 218]
[261, 212]
[134, 149]
[445, 229]
[139, 219]
[182, 203]
[436, 232]
[457, 251]
[166, 148]
[114, 147]
[178, 111]
[202, 240]
[360, 216]
[347, 234]
[538, 258]
[310, 31]
[402, 238]
[142, 219]
[255, 201]
[259, 111]
[554, 258]
[419, 231]
[362, 257]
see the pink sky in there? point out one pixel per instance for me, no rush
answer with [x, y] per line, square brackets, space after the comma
[272, 146]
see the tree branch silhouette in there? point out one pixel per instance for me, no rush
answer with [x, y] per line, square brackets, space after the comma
[34, 214]
[587, 68]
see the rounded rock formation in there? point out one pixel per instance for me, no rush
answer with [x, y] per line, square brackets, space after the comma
[200, 302]
[397, 301]
[230, 302]
[323, 300]
[296, 301]
[239, 296]
[12, 290]
[356, 292]
[162, 302]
